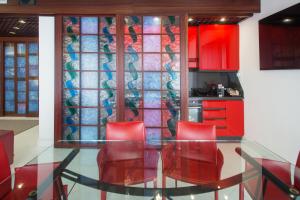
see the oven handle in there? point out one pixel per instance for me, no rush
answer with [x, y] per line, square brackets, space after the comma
[195, 107]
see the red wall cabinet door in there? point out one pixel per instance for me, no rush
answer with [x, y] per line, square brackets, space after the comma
[219, 47]
[235, 117]
[193, 41]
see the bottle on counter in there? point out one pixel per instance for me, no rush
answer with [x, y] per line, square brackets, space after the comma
[221, 90]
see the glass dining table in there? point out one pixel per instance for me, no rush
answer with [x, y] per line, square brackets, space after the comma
[221, 169]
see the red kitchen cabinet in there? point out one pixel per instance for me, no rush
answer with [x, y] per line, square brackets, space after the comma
[235, 117]
[193, 44]
[226, 115]
[219, 47]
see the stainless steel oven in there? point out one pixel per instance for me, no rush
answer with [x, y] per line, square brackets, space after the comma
[195, 110]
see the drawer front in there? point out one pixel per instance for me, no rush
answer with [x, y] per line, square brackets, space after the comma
[217, 123]
[211, 114]
[214, 104]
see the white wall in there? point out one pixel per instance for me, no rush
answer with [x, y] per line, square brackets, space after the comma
[46, 80]
[272, 98]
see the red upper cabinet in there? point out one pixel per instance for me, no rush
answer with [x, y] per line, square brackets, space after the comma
[193, 41]
[219, 47]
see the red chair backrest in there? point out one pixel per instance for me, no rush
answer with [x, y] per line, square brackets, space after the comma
[206, 150]
[5, 176]
[297, 173]
[195, 131]
[132, 131]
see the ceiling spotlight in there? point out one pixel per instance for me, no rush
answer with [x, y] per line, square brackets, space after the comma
[13, 33]
[223, 19]
[21, 21]
[16, 28]
[287, 20]
[190, 19]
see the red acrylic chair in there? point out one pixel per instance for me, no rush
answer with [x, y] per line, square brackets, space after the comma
[193, 162]
[26, 179]
[129, 163]
[282, 170]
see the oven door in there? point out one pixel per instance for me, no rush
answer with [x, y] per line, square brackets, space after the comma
[195, 113]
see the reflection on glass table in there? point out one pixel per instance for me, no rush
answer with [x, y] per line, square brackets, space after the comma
[172, 170]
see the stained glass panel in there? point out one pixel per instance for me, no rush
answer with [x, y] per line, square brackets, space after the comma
[9, 106]
[21, 49]
[22, 86]
[89, 98]
[33, 72]
[33, 61]
[133, 25]
[9, 61]
[9, 95]
[89, 43]
[33, 95]
[151, 43]
[71, 25]
[89, 80]
[108, 62]
[71, 61]
[89, 25]
[33, 85]
[71, 133]
[9, 72]
[107, 116]
[152, 81]
[21, 61]
[152, 24]
[152, 62]
[133, 62]
[71, 43]
[133, 45]
[89, 116]
[33, 106]
[9, 85]
[71, 116]
[89, 133]
[108, 80]
[108, 25]
[152, 99]
[21, 108]
[96, 65]
[9, 49]
[33, 48]
[89, 61]
[21, 96]
[152, 118]
[71, 79]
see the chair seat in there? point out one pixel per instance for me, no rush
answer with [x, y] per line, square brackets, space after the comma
[189, 170]
[28, 177]
[282, 170]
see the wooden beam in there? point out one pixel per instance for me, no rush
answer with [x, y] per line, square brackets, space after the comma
[45, 7]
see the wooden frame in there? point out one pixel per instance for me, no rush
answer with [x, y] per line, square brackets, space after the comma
[15, 40]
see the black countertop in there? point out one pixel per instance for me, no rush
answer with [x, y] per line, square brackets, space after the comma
[216, 98]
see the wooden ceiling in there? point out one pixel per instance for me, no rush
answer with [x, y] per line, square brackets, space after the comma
[10, 24]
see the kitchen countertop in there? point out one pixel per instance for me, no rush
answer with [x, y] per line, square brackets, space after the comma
[216, 98]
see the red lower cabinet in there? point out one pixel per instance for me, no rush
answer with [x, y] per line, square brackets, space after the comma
[227, 115]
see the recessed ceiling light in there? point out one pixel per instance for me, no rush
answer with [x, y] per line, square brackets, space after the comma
[223, 19]
[22, 21]
[13, 33]
[190, 19]
[287, 20]
[16, 28]
[156, 19]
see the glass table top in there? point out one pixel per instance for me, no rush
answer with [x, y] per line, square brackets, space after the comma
[221, 169]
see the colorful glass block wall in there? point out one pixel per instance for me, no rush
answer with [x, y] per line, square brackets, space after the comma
[152, 73]
[21, 78]
[89, 70]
